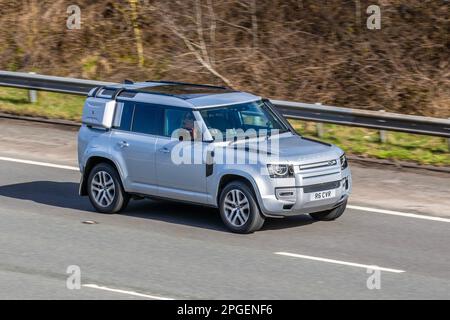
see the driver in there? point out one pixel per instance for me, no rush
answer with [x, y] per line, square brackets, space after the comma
[188, 123]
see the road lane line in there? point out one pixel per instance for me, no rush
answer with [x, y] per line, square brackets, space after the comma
[42, 164]
[131, 293]
[352, 264]
[397, 213]
[367, 209]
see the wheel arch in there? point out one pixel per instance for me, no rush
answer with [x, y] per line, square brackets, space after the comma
[90, 164]
[229, 177]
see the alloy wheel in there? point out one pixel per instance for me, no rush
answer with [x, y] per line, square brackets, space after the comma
[236, 207]
[103, 189]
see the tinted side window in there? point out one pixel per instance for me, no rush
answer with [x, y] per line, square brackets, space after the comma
[147, 119]
[179, 119]
[126, 110]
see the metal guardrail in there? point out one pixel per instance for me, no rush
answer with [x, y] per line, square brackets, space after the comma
[295, 110]
[49, 83]
[365, 118]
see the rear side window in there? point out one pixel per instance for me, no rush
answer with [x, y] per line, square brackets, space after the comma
[124, 115]
[147, 119]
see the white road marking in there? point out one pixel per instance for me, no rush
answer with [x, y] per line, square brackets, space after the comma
[42, 164]
[397, 213]
[352, 264]
[131, 293]
[367, 209]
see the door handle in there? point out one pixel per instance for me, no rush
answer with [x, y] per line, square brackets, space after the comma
[164, 150]
[123, 144]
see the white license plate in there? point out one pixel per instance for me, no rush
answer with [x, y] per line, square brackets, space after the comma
[321, 195]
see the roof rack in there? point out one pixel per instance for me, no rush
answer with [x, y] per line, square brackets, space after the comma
[188, 84]
[114, 92]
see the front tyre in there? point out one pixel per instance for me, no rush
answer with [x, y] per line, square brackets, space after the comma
[105, 189]
[329, 215]
[238, 208]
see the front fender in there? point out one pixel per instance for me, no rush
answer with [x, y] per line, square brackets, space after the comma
[245, 174]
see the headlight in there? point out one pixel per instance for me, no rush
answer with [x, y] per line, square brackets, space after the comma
[344, 163]
[280, 170]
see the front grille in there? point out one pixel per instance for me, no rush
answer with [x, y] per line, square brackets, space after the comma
[321, 164]
[322, 186]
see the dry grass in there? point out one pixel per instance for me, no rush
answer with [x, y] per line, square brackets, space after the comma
[303, 50]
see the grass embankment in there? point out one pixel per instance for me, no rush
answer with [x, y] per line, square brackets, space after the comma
[357, 141]
[366, 142]
[49, 105]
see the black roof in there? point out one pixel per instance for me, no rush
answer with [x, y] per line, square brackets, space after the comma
[185, 91]
[181, 90]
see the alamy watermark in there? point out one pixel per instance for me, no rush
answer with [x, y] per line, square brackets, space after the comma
[74, 20]
[374, 280]
[374, 20]
[73, 281]
[236, 146]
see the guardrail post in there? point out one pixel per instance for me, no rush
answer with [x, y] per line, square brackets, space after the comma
[32, 94]
[383, 134]
[319, 126]
[448, 141]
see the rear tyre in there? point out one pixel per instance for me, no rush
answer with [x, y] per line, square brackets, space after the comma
[238, 208]
[329, 215]
[105, 189]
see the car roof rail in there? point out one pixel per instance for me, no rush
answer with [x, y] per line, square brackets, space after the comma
[188, 84]
[128, 81]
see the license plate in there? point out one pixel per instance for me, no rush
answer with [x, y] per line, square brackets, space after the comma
[321, 195]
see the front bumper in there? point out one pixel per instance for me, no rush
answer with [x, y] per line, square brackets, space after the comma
[294, 199]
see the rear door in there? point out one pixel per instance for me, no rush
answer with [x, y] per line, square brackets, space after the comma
[134, 142]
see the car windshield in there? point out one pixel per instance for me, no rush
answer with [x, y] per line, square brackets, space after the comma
[252, 118]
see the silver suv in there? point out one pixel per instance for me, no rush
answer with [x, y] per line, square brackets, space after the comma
[206, 145]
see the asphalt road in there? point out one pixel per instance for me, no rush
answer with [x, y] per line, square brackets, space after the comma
[165, 250]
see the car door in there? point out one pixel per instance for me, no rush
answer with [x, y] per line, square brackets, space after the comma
[134, 142]
[177, 179]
